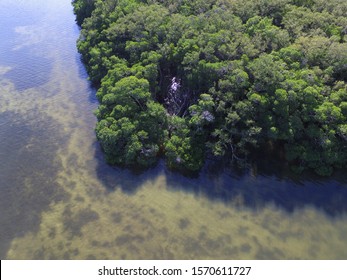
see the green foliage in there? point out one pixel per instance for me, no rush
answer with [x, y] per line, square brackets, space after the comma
[184, 150]
[83, 9]
[131, 126]
[186, 79]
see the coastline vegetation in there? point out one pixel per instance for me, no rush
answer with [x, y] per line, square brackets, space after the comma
[187, 80]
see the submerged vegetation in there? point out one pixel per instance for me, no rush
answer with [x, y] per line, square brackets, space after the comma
[222, 78]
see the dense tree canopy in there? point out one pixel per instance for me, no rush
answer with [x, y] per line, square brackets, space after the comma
[195, 78]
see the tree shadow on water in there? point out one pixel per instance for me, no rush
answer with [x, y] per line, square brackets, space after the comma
[129, 180]
[269, 183]
[276, 185]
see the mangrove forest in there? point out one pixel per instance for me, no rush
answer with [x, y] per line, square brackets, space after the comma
[190, 80]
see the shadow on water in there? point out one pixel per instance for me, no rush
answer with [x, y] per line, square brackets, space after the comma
[112, 177]
[242, 188]
[27, 181]
[83, 75]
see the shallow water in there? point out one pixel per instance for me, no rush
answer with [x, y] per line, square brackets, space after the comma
[59, 200]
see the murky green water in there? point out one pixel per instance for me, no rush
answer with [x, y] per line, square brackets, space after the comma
[59, 200]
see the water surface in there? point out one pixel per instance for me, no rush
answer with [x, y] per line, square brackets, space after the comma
[59, 200]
